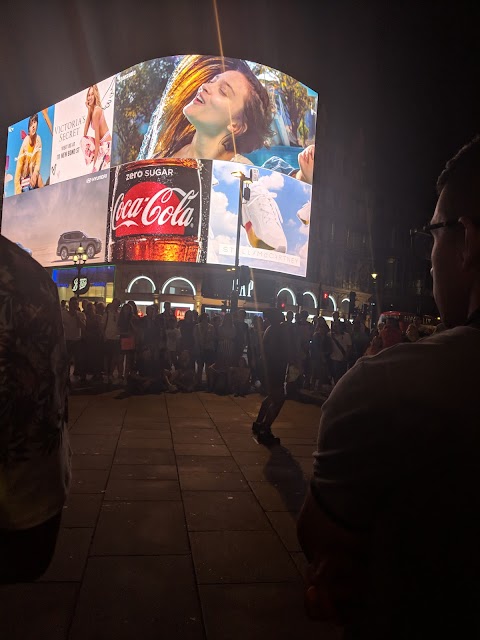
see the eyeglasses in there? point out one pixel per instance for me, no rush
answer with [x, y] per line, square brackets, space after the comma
[422, 239]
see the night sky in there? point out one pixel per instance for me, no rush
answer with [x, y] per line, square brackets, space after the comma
[405, 72]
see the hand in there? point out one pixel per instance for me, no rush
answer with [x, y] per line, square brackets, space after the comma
[306, 161]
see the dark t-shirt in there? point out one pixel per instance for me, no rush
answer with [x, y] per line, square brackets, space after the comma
[276, 351]
[398, 460]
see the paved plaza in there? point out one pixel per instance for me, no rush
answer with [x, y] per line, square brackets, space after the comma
[178, 525]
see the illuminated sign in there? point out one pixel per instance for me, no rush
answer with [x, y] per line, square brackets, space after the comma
[245, 290]
[80, 285]
[157, 146]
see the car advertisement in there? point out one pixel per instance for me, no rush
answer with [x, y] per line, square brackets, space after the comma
[52, 223]
[274, 219]
[29, 149]
[231, 112]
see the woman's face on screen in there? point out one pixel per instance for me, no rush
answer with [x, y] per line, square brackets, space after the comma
[90, 97]
[218, 105]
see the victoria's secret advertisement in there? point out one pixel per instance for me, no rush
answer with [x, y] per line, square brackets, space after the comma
[274, 219]
[82, 139]
[52, 223]
[158, 210]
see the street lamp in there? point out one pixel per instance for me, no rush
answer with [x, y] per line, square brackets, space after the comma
[79, 259]
[375, 299]
[242, 193]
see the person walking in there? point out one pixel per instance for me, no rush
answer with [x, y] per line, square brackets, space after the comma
[276, 357]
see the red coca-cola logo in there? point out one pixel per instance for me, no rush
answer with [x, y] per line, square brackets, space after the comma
[152, 208]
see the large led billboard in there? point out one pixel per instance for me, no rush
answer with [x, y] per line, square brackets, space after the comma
[51, 223]
[221, 146]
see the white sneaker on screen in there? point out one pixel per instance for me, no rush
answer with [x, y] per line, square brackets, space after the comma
[262, 220]
[303, 214]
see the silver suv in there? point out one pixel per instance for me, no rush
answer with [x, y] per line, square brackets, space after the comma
[69, 242]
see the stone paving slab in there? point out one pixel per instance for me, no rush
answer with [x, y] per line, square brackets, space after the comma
[41, 610]
[71, 555]
[207, 463]
[141, 528]
[259, 611]
[82, 509]
[144, 456]
[284, 523]
[144, 422]
[138, 597]
[241, 557]
[192, 422]
[128, 441]
[223, 510]
[91, 461]
[202, 449]
[177, 525]
[93, 444]
[196, 435]
[212, 480]
[89, 480]
[143, 472]
[142, 489]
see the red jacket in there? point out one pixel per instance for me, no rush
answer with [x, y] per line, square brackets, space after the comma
[390, 335]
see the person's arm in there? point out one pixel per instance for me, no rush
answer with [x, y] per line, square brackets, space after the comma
[335, 571]
[19, 168]
[87, 121]
[38, 160]
[196, 338]
[81, 320]
[97, 112]
[348, 346]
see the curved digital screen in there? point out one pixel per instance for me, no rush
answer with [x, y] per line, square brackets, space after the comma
[171, 160]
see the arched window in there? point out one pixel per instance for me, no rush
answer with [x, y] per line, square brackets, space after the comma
[141, 284]
[179, 287]
[310, 300]
[345, 306]
[288, 293]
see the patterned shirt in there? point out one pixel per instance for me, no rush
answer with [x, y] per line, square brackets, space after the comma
[34, 448]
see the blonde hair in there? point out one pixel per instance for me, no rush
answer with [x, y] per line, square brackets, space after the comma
[175, 131]
[96, 95]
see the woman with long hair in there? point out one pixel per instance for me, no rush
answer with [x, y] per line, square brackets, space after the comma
[96, 148]
[212, 108]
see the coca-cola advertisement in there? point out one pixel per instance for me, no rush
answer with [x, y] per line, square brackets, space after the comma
[158, 211]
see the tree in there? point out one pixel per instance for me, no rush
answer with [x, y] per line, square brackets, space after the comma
[293, 95]
[136, 98]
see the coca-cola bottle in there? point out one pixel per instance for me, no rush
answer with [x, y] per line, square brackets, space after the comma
[158, 210]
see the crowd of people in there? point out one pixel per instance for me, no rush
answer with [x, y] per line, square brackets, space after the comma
[223, 353]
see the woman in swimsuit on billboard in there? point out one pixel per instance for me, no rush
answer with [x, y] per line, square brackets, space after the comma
[96, 149]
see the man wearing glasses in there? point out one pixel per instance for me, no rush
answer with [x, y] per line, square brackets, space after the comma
[390, 525]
